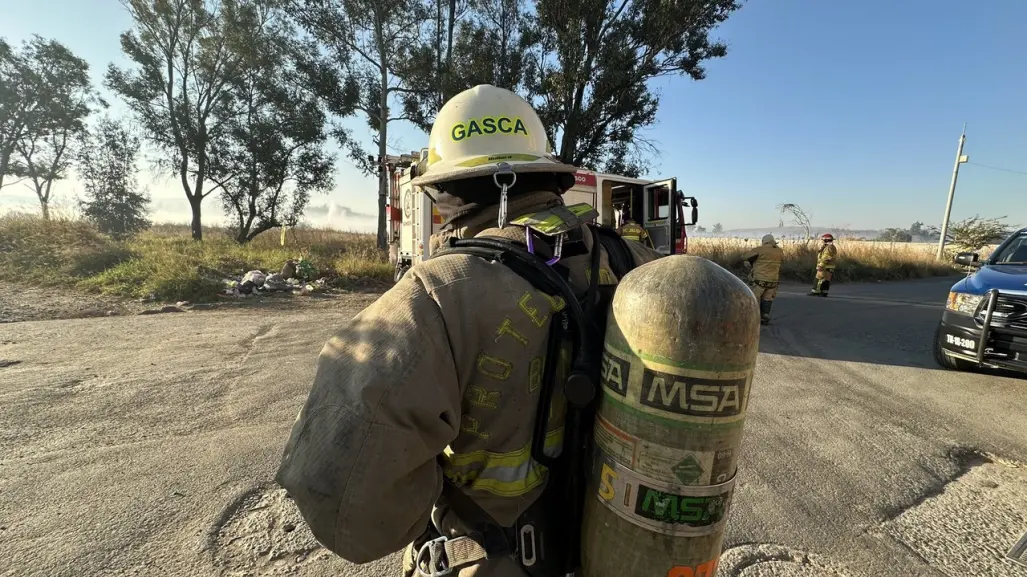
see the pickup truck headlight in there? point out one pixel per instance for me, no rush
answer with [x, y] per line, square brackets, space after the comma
[963, 303]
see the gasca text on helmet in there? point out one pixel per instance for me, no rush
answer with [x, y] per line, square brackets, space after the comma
[487, 125]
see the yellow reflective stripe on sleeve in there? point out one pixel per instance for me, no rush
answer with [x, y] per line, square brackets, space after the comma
[504, 474]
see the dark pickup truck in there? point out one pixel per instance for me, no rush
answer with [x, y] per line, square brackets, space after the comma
[985, 318]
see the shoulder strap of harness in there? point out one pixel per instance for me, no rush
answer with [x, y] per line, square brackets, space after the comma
[559, 510]
[617, 251]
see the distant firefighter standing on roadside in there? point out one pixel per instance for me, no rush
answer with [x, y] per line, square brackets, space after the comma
[826, 258]
[765, 264]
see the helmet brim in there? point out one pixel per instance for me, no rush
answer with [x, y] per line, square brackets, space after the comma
[453, 172]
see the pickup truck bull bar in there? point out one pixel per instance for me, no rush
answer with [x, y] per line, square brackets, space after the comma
[982, 343]
[1003, 330]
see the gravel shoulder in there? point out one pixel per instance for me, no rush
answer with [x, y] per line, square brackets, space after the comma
[19, 303]
[25, 303]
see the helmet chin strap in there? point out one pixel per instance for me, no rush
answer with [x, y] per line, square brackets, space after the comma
[504, 169]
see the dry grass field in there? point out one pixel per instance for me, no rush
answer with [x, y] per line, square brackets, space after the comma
[858, 260]
[165, 264]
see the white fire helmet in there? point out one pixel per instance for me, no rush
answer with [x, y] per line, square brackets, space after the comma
[482, 127]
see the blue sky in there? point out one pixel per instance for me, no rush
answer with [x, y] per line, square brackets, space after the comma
[850, 109]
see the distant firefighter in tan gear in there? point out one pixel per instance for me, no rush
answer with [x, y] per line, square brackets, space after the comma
[420, 428]
[631, 230]
[826, 259]
[765, 264]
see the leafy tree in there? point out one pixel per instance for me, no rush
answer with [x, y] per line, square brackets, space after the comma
[589, 63]
[369, 41]
[700, 229]
[489, 46]
[975, 233]
[922, 231]
[718, 228]
[179, 87]
[107, 167]
[466, 44]
[45, 95]
[46, 156]
[800, 218]
[272, 155]
[895, 235]
[583, 64]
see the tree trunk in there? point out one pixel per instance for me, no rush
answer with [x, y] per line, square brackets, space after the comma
[4, 161]
[439, 79]
[383, 188]
[449, 52]
[45, 206]
[197, 228]
[383, 177]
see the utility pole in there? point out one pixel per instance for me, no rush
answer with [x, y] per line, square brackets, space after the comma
[960, 159]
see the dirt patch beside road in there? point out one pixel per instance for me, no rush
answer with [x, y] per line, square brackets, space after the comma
[32, 303]
[21, 303]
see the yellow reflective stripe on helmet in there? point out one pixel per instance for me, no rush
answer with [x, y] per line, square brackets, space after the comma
[433, 156]
[483, 160]
[504, 474]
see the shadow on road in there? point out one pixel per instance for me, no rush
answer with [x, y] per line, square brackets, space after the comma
[879, 323]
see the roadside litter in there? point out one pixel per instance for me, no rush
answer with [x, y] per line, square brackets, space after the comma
[295, 277]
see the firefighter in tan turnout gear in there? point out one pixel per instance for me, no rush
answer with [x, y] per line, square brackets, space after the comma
[631, 230]
[764, 263]
[419, 425]
[826, 257]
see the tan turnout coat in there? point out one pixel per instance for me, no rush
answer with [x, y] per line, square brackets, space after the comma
[438, 376]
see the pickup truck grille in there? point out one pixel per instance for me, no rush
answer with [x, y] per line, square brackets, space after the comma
[1010, 312]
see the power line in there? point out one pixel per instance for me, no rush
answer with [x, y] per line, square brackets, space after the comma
[998, 168]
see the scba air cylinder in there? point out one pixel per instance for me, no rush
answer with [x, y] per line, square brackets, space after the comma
[681, 343]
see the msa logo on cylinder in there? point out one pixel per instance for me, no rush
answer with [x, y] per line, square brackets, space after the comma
[691, 395]
[615, 373]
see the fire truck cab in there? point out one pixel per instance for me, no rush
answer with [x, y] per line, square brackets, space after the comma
[657, 206]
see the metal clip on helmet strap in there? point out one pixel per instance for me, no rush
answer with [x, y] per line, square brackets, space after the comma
[505, 170]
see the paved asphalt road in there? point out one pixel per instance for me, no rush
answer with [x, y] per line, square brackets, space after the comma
[145, 445]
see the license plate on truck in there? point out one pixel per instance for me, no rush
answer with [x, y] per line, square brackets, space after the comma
[956, 341]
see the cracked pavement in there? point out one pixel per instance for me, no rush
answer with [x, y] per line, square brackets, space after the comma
[145, 445]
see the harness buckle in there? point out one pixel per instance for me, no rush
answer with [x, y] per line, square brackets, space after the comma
[434, 554]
